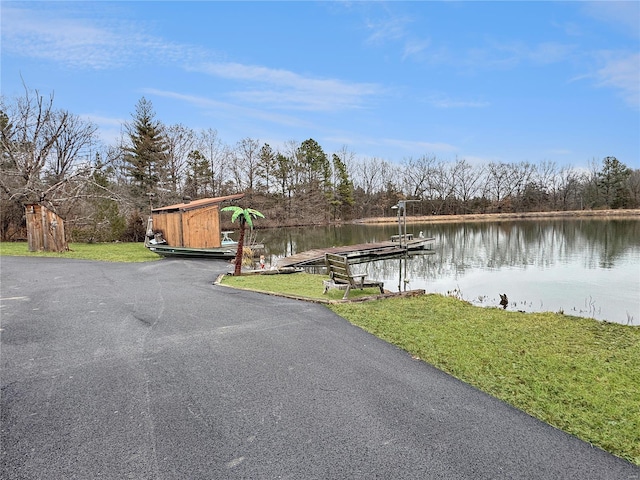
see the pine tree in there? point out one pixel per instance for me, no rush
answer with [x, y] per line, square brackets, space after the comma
[198, 175]
[146, 155]
[267, 166]
[315, 163]
[612, 183]
[343, 198]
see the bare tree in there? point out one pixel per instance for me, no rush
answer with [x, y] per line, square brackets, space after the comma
[245, 168]
[72, 145]
[591, 196]
[522, 175]
[442, 183]
[498, 181]
[219, 157]
[467, 181]
[180, 143]
[373, 178]
[371, 175]
[28, 138]
[546, 177]
[634, 188]
[44, 154]
[417, 176]
[567, 186]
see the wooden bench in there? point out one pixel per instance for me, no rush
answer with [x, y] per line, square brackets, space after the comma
[340, 276]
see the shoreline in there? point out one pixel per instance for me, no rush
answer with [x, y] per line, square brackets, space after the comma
[492, 217]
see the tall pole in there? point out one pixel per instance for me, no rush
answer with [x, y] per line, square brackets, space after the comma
[399, 224]
[402, 207]
[404, 221]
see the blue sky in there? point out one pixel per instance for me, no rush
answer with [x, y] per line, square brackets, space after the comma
[485, 81]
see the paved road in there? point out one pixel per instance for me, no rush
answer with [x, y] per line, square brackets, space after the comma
[149, 371]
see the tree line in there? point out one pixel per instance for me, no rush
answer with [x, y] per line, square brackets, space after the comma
[104, 192]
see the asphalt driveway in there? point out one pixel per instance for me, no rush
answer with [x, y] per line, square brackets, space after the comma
[149, 371]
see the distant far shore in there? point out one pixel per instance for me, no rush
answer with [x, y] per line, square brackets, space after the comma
[492, 217]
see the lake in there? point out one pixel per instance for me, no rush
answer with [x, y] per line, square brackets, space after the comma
[584, 267]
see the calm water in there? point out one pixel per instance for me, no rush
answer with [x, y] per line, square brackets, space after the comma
[582, 267]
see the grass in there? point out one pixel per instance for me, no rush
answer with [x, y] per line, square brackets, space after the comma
[303, 285]
[106, 252]
[579, 375]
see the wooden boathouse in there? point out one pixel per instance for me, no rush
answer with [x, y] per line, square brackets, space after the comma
[194, 224]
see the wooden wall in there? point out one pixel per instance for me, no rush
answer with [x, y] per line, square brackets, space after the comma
[201, 228]
[198, 228]
[45, 230]
[170, 225]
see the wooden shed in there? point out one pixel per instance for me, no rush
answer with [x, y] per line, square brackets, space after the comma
[194, 224]
[45, 230]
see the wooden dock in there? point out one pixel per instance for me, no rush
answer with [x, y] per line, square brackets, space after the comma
[363, 252]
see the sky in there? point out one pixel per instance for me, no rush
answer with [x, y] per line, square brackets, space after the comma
[503, 81]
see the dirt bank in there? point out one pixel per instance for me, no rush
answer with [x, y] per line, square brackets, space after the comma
[492, 217]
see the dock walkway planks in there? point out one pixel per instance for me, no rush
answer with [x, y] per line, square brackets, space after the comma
[363, 251]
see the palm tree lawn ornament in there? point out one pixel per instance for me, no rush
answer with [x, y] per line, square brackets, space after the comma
[246, 216]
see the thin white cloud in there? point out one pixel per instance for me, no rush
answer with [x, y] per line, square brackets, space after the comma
[622, 15]
[418, 146]
[507, 55]
[446, 102]
[571, 29]
[622, 72]
[559, 151]
[109, 128]
[32, 34]
[395, 28]
[104, 121]
[382, 31]
[550, 52]
[400, 146]
[289, 90]
[415, 48]
[286, 78]
[491, 55]
[229, 110]
[85, 43]
[200, 102]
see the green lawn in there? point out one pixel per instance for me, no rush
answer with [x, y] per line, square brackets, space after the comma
[108, 252]
[577, 374]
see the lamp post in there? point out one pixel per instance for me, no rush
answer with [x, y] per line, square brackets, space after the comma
[402, 222]
[399, 207]
[402, 238]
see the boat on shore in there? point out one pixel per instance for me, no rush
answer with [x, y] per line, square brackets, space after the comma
[157, 244]
[192, 229]
[165, 250]
[226, 251]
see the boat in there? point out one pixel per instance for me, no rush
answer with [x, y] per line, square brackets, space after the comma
[227, 249]
[215, 253]
[157, 244]
[192, 229]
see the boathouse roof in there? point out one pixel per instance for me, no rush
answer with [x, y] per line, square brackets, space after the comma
[195, 204]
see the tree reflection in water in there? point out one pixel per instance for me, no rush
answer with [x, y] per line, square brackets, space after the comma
[585, 267]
